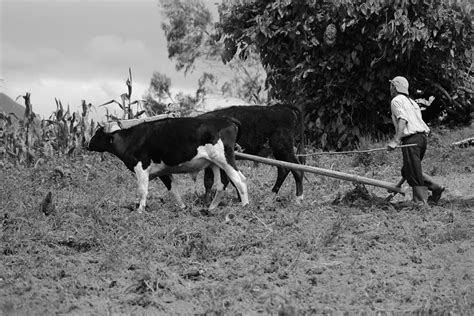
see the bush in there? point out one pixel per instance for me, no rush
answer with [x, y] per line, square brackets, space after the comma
[334, 58]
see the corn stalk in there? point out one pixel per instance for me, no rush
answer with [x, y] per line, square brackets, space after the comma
[126, 103]
[25, 140]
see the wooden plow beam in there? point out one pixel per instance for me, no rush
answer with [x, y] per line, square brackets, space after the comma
[323, 172]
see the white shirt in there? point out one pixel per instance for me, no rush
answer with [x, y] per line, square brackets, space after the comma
[404, 108]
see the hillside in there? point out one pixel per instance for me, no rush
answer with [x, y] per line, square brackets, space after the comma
[8, 105]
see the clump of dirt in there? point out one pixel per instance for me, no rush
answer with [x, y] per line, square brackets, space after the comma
[78, 245]
[358, 193]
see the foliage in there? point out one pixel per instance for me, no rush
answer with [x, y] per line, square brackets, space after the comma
[248, 81]
[126, 104]
[30, 140]
[334, 58]
[152, 106]
[189, 22]
[194, 44]
[160, 85]
[158, 93]
[64, 131]
[160, 99]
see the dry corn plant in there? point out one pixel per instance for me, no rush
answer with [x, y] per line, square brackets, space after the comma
[70, 130]
[12, 141]
[20, 137]
[126, 103]
[25, 141]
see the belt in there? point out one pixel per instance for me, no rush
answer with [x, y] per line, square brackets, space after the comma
[417, 133]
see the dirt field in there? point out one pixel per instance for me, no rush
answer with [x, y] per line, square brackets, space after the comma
[343, 250]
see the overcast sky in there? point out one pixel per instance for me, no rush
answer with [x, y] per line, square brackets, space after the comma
[82, 49]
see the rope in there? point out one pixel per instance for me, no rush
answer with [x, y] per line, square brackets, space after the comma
[353, 152]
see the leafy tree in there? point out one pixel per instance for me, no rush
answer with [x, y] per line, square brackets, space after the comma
[153, 106]
[157, 94]
[187, 31]
[194, 45]
[334, 58]
[160, 85]
[159, 98]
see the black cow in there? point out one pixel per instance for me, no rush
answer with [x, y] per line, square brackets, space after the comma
[265, 130]
[175, 145]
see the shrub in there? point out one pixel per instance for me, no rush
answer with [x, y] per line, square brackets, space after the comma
[334, 58]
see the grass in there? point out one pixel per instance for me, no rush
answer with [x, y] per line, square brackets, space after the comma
[343, 250]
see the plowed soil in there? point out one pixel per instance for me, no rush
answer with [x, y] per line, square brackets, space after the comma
[344, 249]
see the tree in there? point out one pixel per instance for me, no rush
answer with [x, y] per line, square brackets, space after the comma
[159, 98]
[157, 94]
[335, 57]
[194, 45]
[152, 106]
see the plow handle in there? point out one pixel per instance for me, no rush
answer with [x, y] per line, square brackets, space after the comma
[324, 172]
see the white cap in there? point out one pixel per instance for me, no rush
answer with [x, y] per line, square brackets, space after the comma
[400, 83]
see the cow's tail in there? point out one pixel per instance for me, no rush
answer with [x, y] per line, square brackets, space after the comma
[296, 113]
[294, 109]
[238, 126]
[299, 130]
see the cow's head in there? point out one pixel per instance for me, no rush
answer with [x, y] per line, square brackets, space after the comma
[101, 141]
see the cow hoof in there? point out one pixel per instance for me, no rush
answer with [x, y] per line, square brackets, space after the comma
[299, 200]
[139, 208]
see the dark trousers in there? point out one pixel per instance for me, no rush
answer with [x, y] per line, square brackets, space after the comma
[412, 157]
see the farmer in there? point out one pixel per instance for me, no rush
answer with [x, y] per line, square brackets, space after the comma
[411, 129]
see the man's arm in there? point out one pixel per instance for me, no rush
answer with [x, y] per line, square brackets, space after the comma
[402, 123]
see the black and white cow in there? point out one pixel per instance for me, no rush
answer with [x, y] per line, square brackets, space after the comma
[175, 145]
[265, 130]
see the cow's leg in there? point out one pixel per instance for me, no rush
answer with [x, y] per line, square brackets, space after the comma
[224, 158]
[298, 175]
[208, 182]
[225, 182]
[142, 179]
[220, 187]
[283, 173]
[234, 175]
[239, 181]
[224, 179]
[282, 146]
[194, 177]
[170, 184]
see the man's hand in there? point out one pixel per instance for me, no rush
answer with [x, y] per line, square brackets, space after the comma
[392, 145]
